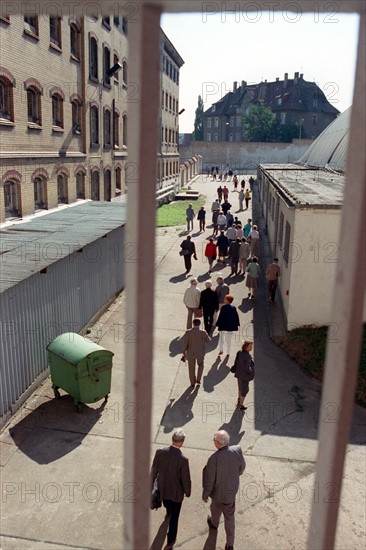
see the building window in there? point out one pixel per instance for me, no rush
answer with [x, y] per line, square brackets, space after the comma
[116, 20]
[6, 99]
[57, 111]
[216, 136]
[11, 199]
[231, 137]
[237, 136]
[279, 100]
[61, 189]
[95, 186]
[94, 127]
[93, 58]
[116, 74]
[238, 120]
[124, 25]
[107, 185]
[34, 106]
[166, 100]
[106, 65]
[107, 127]
[213, 108]
[39, 194]
[118, 179]
[232, 120]
[315, 119]
[55, 31]
[280, 231]
[124, 73]
[209, 137]
[124, 130]
[31, 24]
[80, 185]
[209, 120]
[286, 247]
[76, 117]
[216, 121]
[106, 22]
[116, 129]
[75, 41]
[282, 118]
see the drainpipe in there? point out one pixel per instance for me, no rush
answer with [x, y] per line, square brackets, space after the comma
[83, 96]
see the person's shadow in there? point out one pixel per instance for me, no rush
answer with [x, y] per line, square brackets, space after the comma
[210, 542]
[159, 539]
[233, 427]
[175, 346]
[217, 373]
[179, 412]
[178, 278]
[246, 305]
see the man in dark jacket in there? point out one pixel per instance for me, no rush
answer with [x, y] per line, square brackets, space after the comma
[188, 250]
[234, 249]
[221, 483]
[171, 468]
[209, 303]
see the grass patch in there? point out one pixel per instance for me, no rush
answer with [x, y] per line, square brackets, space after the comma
[175, 212]
[307, 346]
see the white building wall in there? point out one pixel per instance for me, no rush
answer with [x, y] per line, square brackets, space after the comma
[314, 256]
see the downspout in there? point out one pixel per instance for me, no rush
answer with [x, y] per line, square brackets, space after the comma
[83, 99]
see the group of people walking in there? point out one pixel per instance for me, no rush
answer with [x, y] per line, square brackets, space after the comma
[215, 305]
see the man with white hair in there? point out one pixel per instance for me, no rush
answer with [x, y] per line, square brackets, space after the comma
[191, 300]
[171, 468]
[221, 483]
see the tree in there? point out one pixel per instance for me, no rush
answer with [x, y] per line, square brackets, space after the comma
[259, 124]
[198, 121]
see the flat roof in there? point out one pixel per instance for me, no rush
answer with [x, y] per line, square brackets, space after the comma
[27, 248]
[303, 187]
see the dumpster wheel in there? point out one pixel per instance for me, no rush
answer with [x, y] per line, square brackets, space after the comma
[79, 407]
[56, 393]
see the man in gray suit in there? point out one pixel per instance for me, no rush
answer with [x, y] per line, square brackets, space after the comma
[194, 348]
[221, 483]
[171, 468]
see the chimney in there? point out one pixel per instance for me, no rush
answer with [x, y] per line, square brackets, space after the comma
[235, 85]
[301, 76]
[277, 78]
[285, 80]
[243, 84]
[296, 78]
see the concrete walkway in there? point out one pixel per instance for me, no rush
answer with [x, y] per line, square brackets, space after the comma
[61, 472]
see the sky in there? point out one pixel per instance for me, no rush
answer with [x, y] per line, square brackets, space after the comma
[221, 48]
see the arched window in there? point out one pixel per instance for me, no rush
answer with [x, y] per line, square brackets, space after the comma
[107, 185]
[80, 185]
[94, 126]
[116, 129]
[115, 60]
[57, 110]
[55, 31]
[106, 65]
[75, 41]
[124, 131]
[124, 73]
[107, 127]
[39, 193]
[6, 99]
[95, 186]
[118, 174]
[12, 199]
[62, 189]
[34, 105]
[93, 58]
[76, 116]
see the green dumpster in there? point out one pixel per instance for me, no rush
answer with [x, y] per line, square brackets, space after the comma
[80, 367]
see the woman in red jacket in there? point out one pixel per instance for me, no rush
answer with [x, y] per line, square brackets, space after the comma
[210, 253]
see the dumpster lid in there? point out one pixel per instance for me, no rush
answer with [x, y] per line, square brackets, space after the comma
[73, 348]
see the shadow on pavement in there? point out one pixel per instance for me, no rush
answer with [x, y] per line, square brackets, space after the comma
[55, 429]
[217, 373]
[233, 426]
[178, 278]
[179, 412]
[175, 346]
[159, 539]
[210, 542]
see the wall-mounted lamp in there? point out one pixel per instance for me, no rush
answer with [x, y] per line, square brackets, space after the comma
[181, 111]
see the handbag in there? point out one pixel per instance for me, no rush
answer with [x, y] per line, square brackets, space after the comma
[233, 369]
[198, 313]
[155, 503]
[184, 252]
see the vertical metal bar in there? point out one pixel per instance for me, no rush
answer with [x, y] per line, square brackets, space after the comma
[343, 356]
[143, 117]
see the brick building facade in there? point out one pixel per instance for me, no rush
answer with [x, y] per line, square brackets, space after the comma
[63, 119]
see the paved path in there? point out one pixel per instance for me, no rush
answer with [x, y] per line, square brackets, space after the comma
[61, 471]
